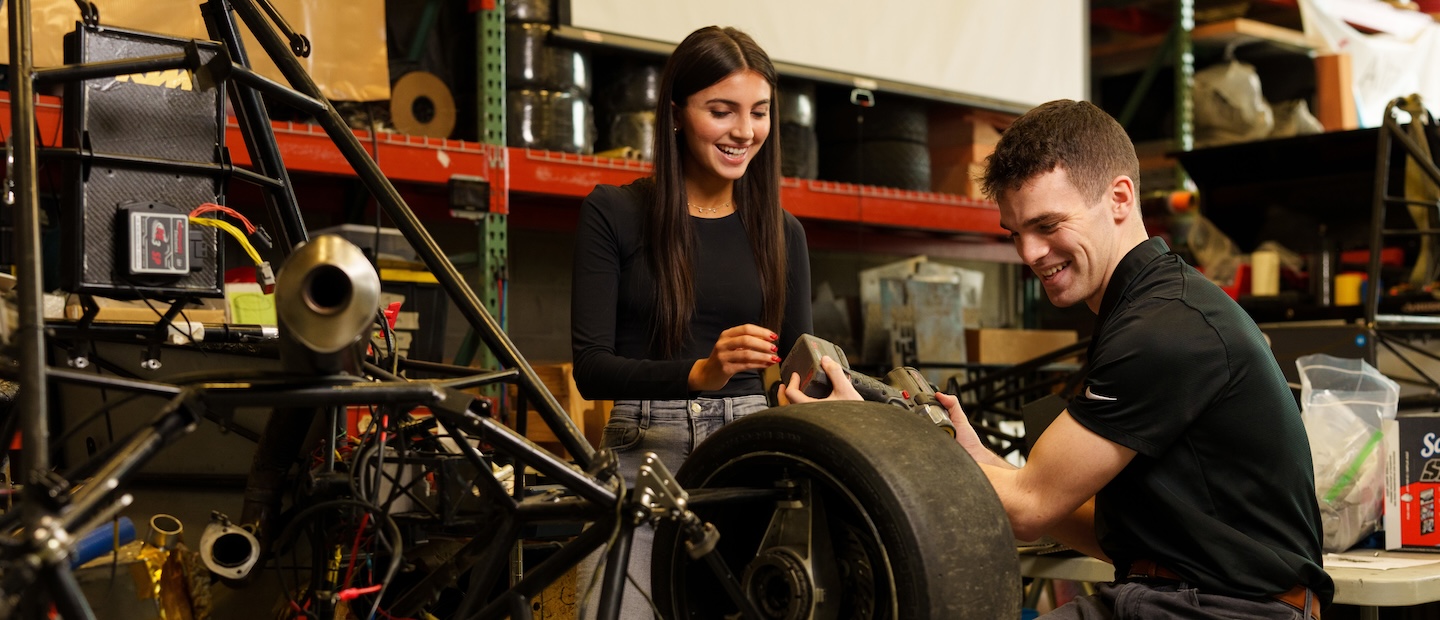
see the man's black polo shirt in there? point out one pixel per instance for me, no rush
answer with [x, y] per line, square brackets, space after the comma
[1221, 490]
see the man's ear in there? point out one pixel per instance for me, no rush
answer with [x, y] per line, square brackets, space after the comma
[1122, 198]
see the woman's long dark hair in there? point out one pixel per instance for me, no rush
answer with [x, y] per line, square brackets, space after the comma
[707, 56]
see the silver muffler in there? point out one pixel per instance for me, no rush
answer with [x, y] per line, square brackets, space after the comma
[327, 299]
[326, 296]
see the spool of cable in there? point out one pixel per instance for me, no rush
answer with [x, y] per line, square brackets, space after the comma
[887, 163]
[571, 70]
[527, 11]
[635, 130]
[797, 103]
[635, 87]
[798, 151]
[570, 123]
[524, 118]
[421, 105]
[525, 55]
[531, 62]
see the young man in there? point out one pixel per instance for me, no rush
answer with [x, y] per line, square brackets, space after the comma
[1184, 462]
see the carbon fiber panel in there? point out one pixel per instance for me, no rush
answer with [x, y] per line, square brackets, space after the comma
[157, 115]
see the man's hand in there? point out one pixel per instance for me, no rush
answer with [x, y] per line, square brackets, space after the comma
[840, 382]
[740, 348]
[965, 434]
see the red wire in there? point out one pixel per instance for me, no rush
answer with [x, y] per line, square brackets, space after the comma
[355, 548]
[210, 206]
[350, 594]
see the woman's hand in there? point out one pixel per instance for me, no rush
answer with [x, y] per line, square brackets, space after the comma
[741, 348]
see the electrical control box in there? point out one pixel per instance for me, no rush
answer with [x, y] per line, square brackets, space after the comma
[155, 242]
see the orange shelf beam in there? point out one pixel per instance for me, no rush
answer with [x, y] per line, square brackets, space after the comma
[561, 174]
[307, 149]
[416, 159]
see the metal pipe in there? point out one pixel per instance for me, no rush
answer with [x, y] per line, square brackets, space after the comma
[1377, 219]
[65, 591]
[91, 379]
[554, 566]
[405, 220]
[30, 337]
[138, 162]
[1412, 147]
[254, 123]
[282, 93]
[254, 395]
[111, 68]
[527, 453]
[617, 565]
[173, 422]
[538, 510]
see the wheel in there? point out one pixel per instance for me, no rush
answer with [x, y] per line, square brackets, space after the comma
[536, 11]
[886, 517]
[891, 118]
[798, 151]
[887, 163]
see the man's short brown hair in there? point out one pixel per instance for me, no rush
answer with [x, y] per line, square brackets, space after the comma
[1075, 135]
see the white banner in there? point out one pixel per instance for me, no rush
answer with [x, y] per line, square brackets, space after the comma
[1384, 66]
[1016, 52]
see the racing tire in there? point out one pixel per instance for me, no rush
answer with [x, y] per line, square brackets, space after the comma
[916, 530]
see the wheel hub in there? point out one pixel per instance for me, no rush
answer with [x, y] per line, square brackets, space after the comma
[780, 585]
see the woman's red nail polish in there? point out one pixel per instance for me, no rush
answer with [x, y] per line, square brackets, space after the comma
[774, 349]
[774, 358]
[774, 336]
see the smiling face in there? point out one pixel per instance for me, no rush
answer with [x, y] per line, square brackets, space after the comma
[1071, 242]
[723, 127]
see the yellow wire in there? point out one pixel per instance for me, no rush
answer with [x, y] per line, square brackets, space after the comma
[234, 232]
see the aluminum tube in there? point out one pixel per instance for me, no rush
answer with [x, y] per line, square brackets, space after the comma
[405, 220]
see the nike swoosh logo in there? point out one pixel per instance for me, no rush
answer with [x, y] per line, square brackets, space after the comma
[1093, 396]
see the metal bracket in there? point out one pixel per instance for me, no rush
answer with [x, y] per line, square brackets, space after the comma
[657, 490]
[89, 13]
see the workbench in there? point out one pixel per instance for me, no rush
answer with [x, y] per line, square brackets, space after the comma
[1366, 589]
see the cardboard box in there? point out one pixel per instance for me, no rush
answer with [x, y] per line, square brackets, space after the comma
[589, 416]
[959, 143]
[1412, 477]
[1012, 346]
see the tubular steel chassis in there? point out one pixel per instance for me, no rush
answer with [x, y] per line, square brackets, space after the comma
[35, 538]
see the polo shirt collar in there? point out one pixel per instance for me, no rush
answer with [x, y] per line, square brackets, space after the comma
[1135, 263]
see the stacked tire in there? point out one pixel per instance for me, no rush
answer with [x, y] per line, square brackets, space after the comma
[627, 105]
[885, 144]
[798, 144]
[547, 86]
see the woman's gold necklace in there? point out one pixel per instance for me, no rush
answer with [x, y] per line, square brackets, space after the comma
[708, 210]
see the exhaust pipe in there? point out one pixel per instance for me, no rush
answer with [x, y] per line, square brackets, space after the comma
[228, 551]
[326, 299]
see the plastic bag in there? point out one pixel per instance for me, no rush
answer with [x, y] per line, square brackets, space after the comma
[1229, 107]
[1342, 404]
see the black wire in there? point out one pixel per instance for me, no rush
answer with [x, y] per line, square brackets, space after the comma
[104, 409]
[391, 346]
[395, 543]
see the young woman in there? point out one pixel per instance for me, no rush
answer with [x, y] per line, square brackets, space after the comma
[689, 283]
